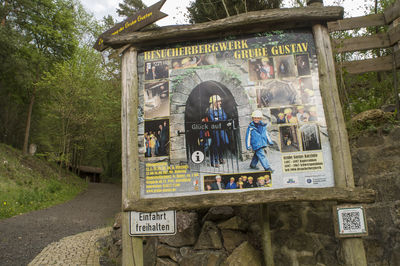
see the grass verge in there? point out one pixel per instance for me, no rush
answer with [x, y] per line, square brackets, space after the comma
[28, 183]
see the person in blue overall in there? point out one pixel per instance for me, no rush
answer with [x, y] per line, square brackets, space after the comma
[231, 184]
[219, 137]
[257, 138]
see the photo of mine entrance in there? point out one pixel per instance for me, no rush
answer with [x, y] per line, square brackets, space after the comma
[212, 129]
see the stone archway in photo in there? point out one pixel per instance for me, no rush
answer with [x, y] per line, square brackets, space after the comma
[183, 83]
[199, 106]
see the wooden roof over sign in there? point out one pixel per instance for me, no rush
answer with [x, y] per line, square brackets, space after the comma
[246, 23]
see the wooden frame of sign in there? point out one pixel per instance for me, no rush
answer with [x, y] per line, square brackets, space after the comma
[314, 17]
[311, 16]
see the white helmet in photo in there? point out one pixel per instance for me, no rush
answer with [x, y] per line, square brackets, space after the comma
[257, 113]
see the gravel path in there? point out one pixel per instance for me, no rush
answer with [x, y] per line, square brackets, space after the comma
[24, 236]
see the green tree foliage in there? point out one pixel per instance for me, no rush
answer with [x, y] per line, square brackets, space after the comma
[129, 7]
[13, 80]
[371, 90]
[79, 106]
[207, 10]
[80, 113]
[46, 58]
[42, 33]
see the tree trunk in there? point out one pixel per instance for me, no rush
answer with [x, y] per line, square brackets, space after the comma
[3, 19]
[226, 9]
[28, 122]
[378, 74]
[29, 118]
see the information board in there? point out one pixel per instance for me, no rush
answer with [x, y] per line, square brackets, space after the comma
[230, 115]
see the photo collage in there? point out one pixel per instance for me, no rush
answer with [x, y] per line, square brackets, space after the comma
[199, 116]
[292, 107]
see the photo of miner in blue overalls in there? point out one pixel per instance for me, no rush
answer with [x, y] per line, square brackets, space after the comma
[257, 138]
[219, 137]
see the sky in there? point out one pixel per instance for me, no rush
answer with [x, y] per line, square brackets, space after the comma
[175, 9]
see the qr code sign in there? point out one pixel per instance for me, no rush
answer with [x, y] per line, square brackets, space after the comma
[351, 221]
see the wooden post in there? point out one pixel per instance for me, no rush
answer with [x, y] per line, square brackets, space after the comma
[132, 247]
[266, 236]
[395, 83]
[352, 249]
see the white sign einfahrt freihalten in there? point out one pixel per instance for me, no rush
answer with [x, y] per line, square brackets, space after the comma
[152, 223]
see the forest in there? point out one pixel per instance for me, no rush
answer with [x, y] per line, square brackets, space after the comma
[61, 95]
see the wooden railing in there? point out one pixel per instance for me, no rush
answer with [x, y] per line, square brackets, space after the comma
[389, 39]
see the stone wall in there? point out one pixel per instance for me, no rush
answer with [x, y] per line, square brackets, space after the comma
[302, 233]
[376, 164]
[209, 237]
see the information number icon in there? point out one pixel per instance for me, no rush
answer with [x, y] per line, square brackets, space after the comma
[197, 157]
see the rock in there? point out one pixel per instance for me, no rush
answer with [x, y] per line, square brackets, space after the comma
[386, 186]
[395, 258]
[380, 221]
[374, 252]
[165, 262]
[362, 156]
[116, 235]
[218, 213]
[149, 251]
[250, 213]
[187, 230]
[388, 108]
[210, 237]
[327, 256]
[105, 245]
[320, 222]
[244, 255]
[186, 251]
[203, 257]
[234, 223]
[216, 259]
[370, 117]
[118, 220]
[254, 235]
[369, 141]
[167, 251]
[232, 239]
[300, 241]
[395, 134]
[116, 250]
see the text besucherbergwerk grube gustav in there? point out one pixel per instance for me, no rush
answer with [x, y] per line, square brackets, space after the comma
[240, 47]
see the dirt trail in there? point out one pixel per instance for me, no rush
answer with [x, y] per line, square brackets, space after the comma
[23, 237]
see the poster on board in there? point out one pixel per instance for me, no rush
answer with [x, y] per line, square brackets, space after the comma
[234, 114]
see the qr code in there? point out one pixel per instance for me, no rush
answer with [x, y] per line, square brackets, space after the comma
[351, 221]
